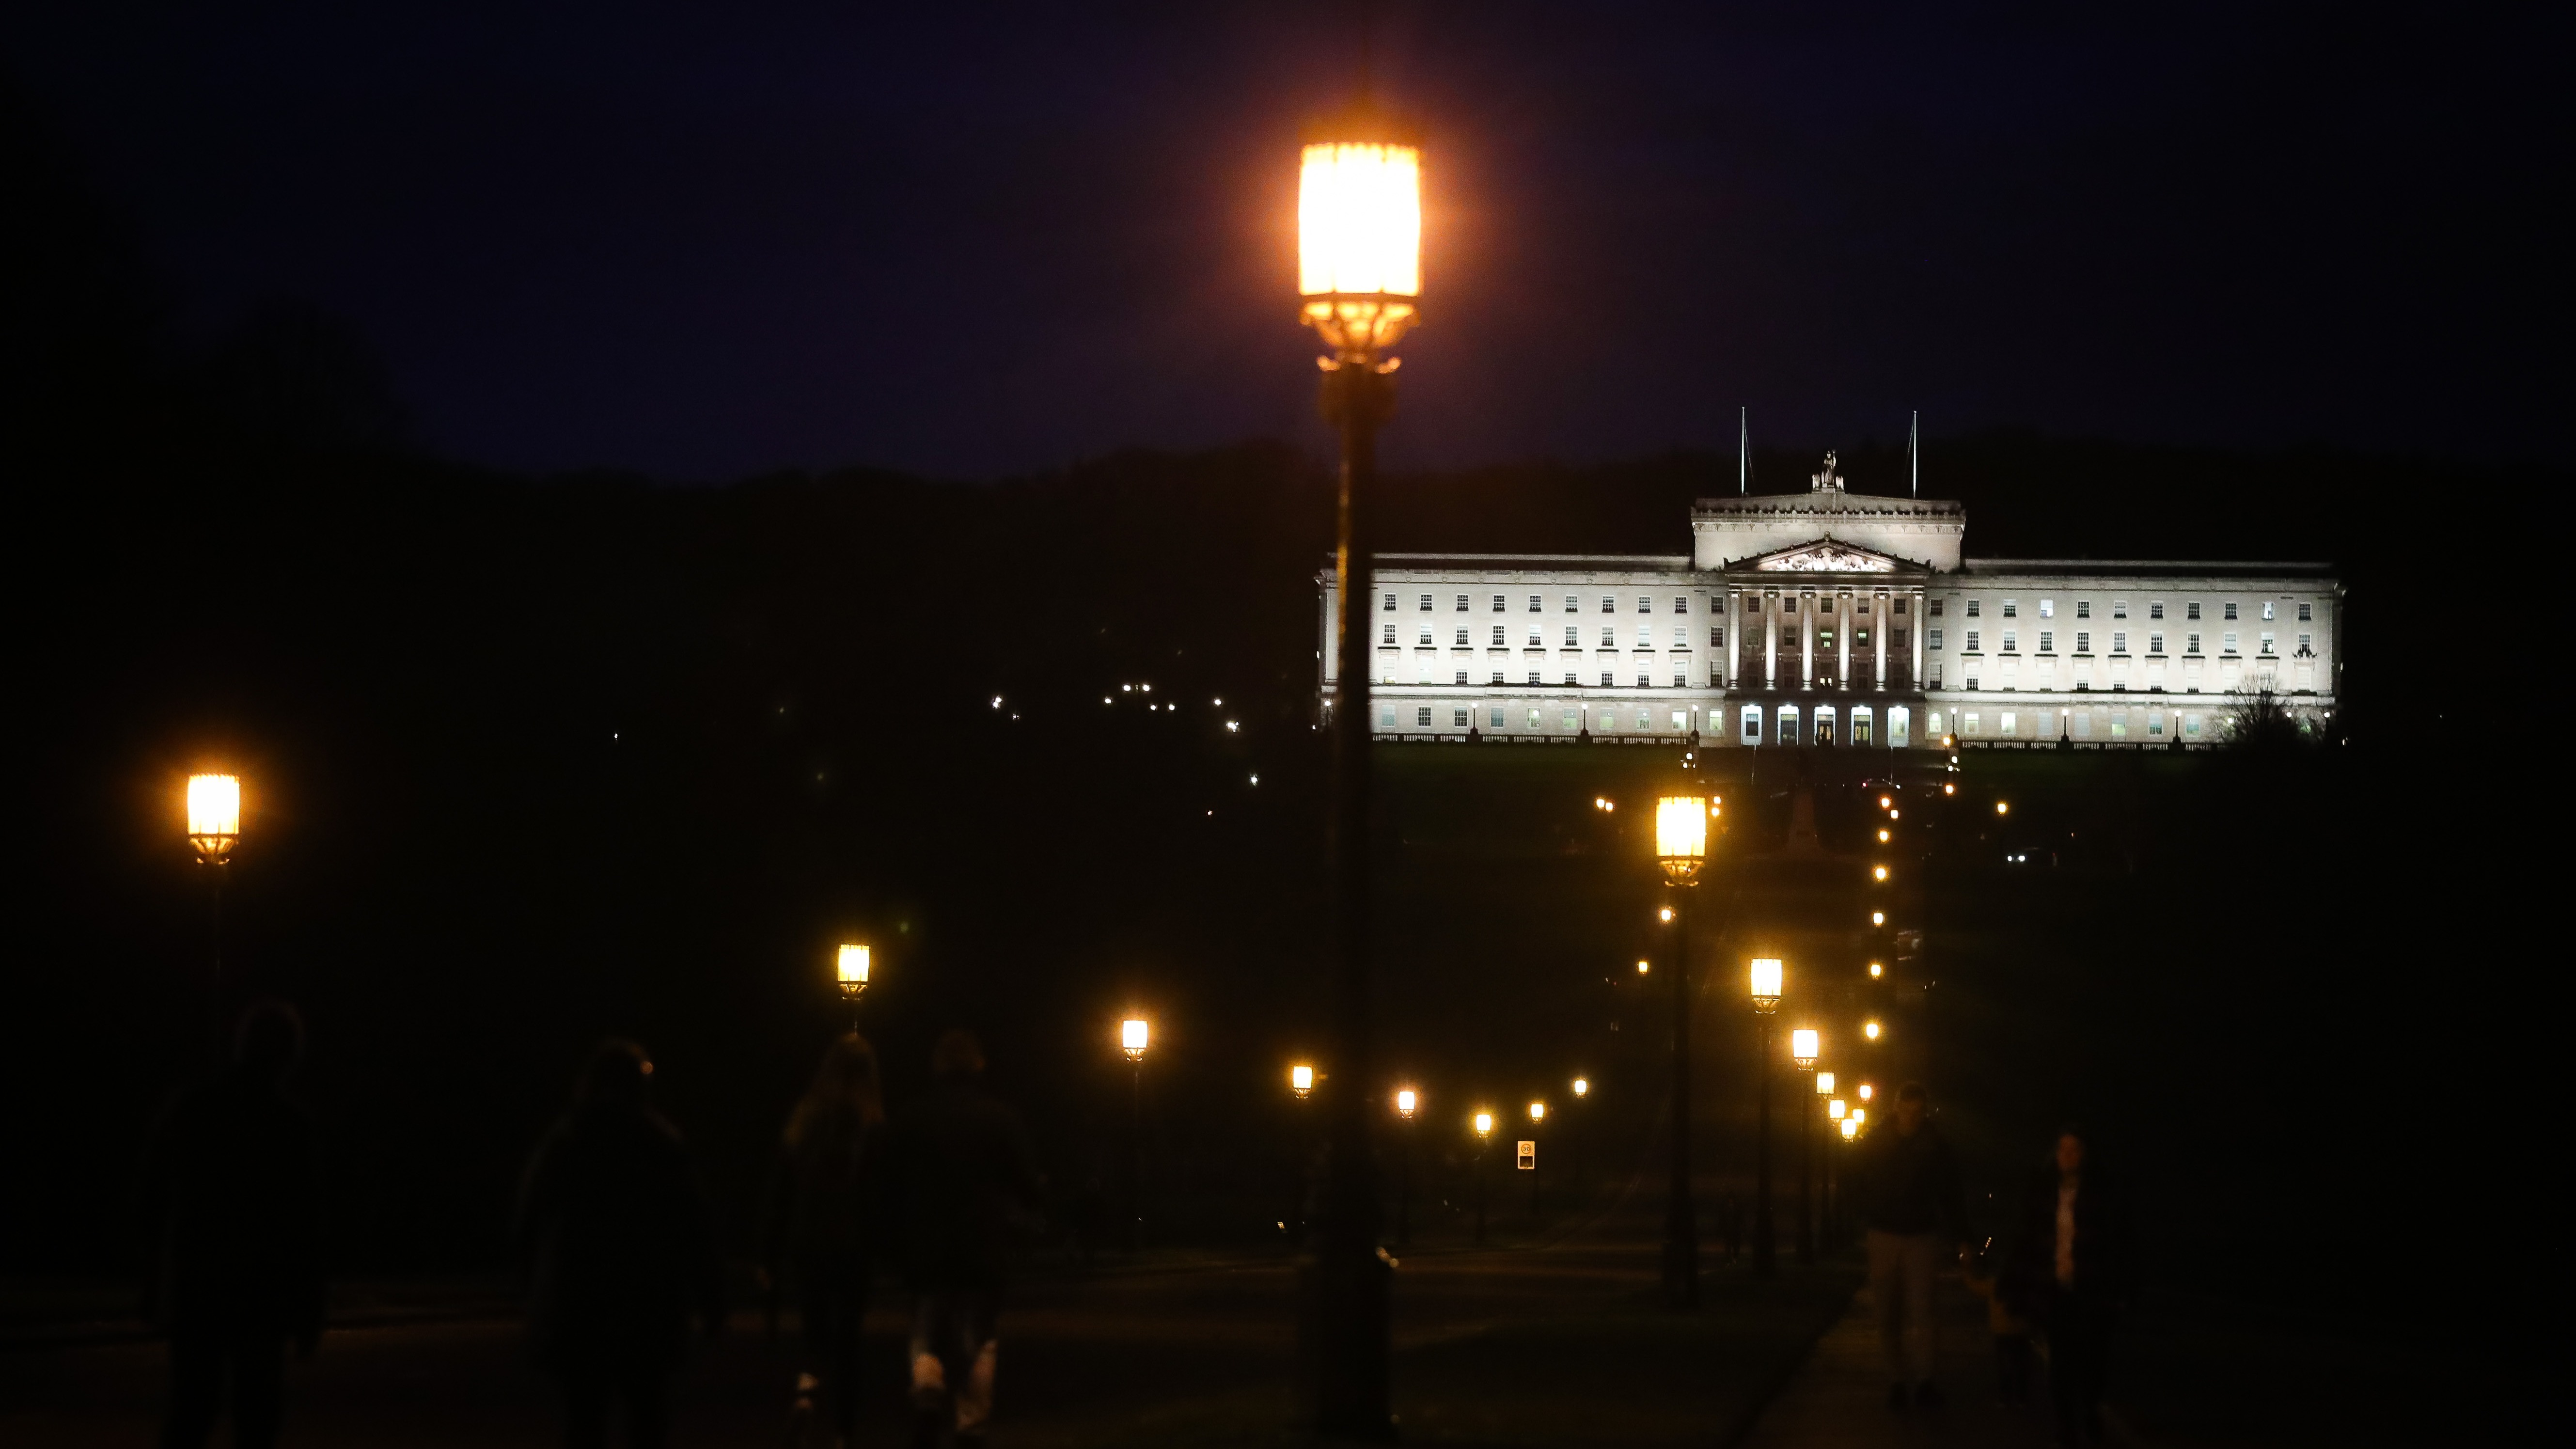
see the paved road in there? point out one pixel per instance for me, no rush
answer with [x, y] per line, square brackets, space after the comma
[1525, 1347]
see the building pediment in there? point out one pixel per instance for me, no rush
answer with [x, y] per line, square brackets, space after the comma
[1825, 556]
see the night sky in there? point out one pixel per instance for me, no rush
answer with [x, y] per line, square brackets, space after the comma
[704, 240]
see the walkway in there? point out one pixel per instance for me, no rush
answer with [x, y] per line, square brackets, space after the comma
[1838, 1398]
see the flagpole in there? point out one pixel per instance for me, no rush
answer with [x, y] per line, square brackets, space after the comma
[1914, 455]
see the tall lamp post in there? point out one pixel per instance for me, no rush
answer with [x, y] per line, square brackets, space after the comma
[1359, 277]
[1407, 1102]
[852, 970]
[1575, 1136]
[1484, 1133]
[1538, 1119]
[1803, 1050]
[1681, 847]
[214, 828]
[1766, 1000]
[1836, 1120]
[1132, 1036]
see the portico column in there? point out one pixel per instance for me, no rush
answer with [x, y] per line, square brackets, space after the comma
[1734, 641]
[1770, 639]
[1806, 638]
[1878, 636]
[1922, 611]
[1842, 643]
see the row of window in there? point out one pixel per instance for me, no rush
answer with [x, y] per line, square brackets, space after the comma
[2077, 724]
[2266, 643]
[1541, 721]
[1788, 604]
[2119, 609]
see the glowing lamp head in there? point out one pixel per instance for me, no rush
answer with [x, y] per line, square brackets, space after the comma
[1803, 1047]
[1405, 1102]
[1538, 1111]
[1851, 1127]
[1665, 915]
[1359, 234]
[1824, 1084]
[1878, 918]
[214, 814]
[1837, 1109]
[1876, 971]
[1641, 968]
[1132, 1034]
[1681, 834]
[1582, 1088]
[1878, 873]
[1884, 802]
[1301, 1079]
[1857, 1117]
[1484, 1123]
[1949, 789]
[1870, 1030]
[2003, 807]
[1867, 1091]
[851, 969]
[1766, 984]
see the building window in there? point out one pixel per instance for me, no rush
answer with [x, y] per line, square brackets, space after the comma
[2191, 726]
[2119, 608]
[1498, 635]
[1972, 681]
[1387, 634]
[1607, 680]
[1386, 717]
[1498, 603]
[1534, 640]
[1825, 605]
[1936, 608]
[2303, 614]
[1972, 641]
[1422, 716]
[2084, 608]
[1824, 641]
[2119, 724]
[2048, 608]
[2155, 643]
[1681, 604]
[2267, 643]
[1752, 724]
[1861, 608]
[1496, 718]
[1426, 604]
[1462, 603]
[1968, 723]
[2012, 609]
[2230, 607]
[2047, 641]
[1571, 642]
[2119, 641]
[1497, 679]
[2191, 644]
[1860, 640]
[2083, 641]
[1931, 638]
[1681, 675]
[2306, 645]
[2011, 640]
[1975, 607]
[1426, 635]
[1573, 605]
[1609, 636]
[1533, 677]
[1898, 643]
[2191, 610]
[1645, 604]
[1569, 679]
[1717, 636]
[1900, 605]
[1534, 716]
[1935, 681]
[1390, 603]
[2156, 609]
[1461, 679]
[1458, 719]
[2227, 642]
[1609, 605]
[1645, 636]
[2155, 724]
[1534, 604]
[2004, 724]
[1647, 681]
[2267, 608]
[1461, 640]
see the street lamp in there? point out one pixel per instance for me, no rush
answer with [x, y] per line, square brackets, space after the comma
[1538, 1113]
[1804, 1047]
[1359, 283]
[1582, 1087]
[1132, 1036]
[214, 828]
[1824, 1084]
[1876, 971]
[1851, 1126]
[1301, 1080]
[851, 970]
[1484, 1131]
[1869, 1029]
[1681, 848]
[1765, 981]
[1406, 1100]
[1867, 1091]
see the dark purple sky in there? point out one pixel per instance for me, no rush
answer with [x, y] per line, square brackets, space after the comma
[699, 240]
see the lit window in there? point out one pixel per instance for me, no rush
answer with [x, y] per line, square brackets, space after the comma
[1497, 715]
[2267, 608]
[2004, 724]
[2084, 608]
[1534, 724]
[1969, 725]
[1386, 717]
[1571, 719]
[2048, 608]
[2191, 726]
[2155, 724]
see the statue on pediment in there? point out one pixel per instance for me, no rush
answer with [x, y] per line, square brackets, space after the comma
[1827, 481]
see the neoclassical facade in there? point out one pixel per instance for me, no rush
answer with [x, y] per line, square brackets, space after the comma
[1831, 618]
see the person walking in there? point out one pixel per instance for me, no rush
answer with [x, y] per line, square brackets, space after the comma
[232, 1189]
[620, 1252]
[2072, 1260]
[821, 1226]
[1911, 1204]
[965, 1182]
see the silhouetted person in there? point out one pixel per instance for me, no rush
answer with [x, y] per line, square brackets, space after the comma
[619, 1251]
[822, 1223]
[232, 1194]
[2072, 1260]
[1910, 1201]
[965, 1181]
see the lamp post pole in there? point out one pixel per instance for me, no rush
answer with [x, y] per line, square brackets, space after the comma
[1132, 1035]
[1803, 1052]
[1484, 1131]
[1359, 275]
[1681, 847]
[1406, 1101]
[214, 828]
[1766, 1000]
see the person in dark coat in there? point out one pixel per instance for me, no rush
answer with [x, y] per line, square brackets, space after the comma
[620, 1252]
[1907, 1190]
[232, 1193]
[965, 1186]
[2072, 1264]
[821, 1227]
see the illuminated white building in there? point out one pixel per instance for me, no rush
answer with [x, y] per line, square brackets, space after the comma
[1838, 619]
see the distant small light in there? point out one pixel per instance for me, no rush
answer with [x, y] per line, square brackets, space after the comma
[1882, 837]
[1884, 802]
[1878, 918]
[1641, 968]
[1149, 689]
[1127, 689]
[1104, 699]
[1232, 725]
[1949, 789]
[997, 701]
[1870, 1030]
[1880, 873]
[1892, 814]
[1218, 703]
[1256, 779]
[1876, 970]
[1665, 914]
[2002, 809]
